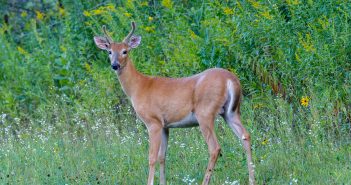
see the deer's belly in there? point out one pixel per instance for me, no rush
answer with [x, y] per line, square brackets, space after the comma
[188, 121]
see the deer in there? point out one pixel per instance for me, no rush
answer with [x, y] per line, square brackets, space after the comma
[163, 103]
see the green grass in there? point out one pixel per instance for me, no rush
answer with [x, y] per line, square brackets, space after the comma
[98, 152]
[65, 120]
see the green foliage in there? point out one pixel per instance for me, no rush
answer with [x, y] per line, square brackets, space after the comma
[64, 115]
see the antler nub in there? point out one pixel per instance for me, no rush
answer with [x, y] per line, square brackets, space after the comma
[126, 39]
[108, 38]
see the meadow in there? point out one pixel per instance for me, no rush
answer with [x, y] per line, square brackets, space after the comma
[64, 118]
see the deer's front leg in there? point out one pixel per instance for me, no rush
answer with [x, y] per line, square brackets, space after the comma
[155, 136]
[162, 155]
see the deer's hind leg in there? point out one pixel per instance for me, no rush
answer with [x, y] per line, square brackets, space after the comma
[206, 124]
[232, 117]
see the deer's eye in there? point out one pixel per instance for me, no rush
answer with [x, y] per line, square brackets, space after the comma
[124, 52]
[109, 52]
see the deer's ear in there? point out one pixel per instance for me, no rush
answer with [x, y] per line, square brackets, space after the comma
[134, 41]
[102, 42]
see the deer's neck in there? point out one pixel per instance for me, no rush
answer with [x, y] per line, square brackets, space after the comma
[130, 79]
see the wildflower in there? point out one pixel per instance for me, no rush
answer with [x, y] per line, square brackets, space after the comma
[98, 11]
[130, 4]
[128, 14]
[144, 3]
[265, 141]
[110, 7]
[21, 50]
[150, 18]
[40, 16]
[62, 11]
[266, 15]
[304, 101]
[293, 2]
[3, 117]
[86, 13]
[257, 106]
[323, 22]
[192, 34]
[24, 14]
[167, 3]
[87, 67]
[297, 57]
[255, 4]
[263, 157]
[88, 23]
[307, 43]
[228, 11]
[239, 5]
[150, 29]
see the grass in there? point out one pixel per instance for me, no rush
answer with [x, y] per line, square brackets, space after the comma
[100, 153]
[65, 120]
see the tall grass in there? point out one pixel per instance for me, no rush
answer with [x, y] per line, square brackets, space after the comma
[65, 120]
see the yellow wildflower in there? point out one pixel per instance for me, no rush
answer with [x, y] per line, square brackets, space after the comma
[167, 3]
[257, 106]
[88, 23]
[130, 4]
[82, 82]
[86, 13]
[292, 2]
[255, 4]
[265, 141]
[150, 29]
[98, 11]
[40, 16]
[239, 5]
[255, 22]
[128, 14]
[297, 57]
[62, 11]
[307, 43]
[304, 101]
[150, 18]
[324, 22]
[266, 15]
[110, 7]
[21, 50]
[24, 14]
[145, 3]
[263, 157]
[192, 34]
[228, 11]
[87, 67]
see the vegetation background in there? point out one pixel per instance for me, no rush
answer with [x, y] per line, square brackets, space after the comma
[65, 120]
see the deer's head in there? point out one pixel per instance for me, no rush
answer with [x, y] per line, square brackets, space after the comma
[118, 52]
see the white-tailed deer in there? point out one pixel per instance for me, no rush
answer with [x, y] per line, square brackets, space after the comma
[163, 103]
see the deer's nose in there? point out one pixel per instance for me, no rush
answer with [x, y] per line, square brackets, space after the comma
[115, 66]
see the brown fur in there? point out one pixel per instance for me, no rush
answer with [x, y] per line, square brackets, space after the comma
[161, 101]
